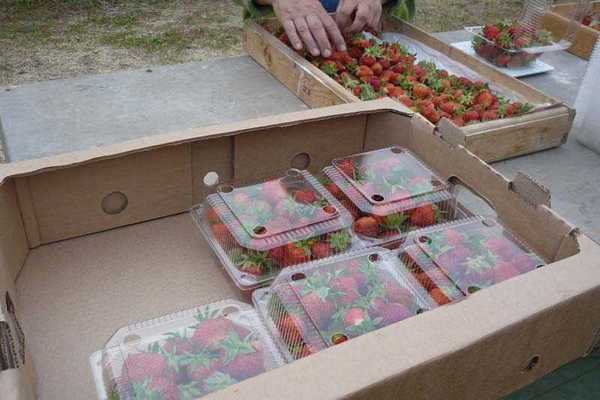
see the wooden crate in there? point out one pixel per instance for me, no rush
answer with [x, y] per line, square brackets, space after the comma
[546, 127]
[558, 22]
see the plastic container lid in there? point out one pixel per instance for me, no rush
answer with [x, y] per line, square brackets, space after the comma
[259, 229]
[185, 355]
[279, 211]
[325, 303]
[474, 253]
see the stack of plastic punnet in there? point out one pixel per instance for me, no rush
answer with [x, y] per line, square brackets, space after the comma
[259, 229]
[517, 43]
[325, 303]
[458, 259]
[185, 355]
[390, 193]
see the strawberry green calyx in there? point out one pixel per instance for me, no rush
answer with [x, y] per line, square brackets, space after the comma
[395, 222]
[190, 391]
[375, 50]
[349, 82]
[368, 93]
[340, 241]
[234, 346]
[482, 263]
[318, 284]
[428, 66]
[253, 258]
[144, 391]
[330, 69]
[205, 314]
[218, 381]
[199, 358]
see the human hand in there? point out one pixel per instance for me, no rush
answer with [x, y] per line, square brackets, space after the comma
[354, 16]
[307, 24]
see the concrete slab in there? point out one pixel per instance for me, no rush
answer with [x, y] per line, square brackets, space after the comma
[60, 116]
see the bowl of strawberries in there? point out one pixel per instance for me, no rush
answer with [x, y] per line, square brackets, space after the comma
[510, 44]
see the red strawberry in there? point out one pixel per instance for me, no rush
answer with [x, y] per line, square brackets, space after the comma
[319, 309]
[407, 101]
[306, 196]
[491, 32]
[347, 167]
[279, 254]
[347, 288]
[397, 92]
[485, 98]
[471, 116]
[245, 366]
[296, 255]
[587, 20]
[367, 60]
[421, 91]
[211, 332]
[458, 121]
[375, 82]
[377, 69]
[178, 346]
[291, 328]
[399, 68]
[141, 366]
[355, 52]
[433, 116]
[449, 107]
[357, 91]
[354, 317]
[489, 115]
[320, 250]
[425, 280]
[212, 216]
[199, 372]
[424, 215]
[364, 72]
[393, 312]
[222, 234]
[439, 297]
[367, 226]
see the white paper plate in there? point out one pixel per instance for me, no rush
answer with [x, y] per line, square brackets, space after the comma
[536, 67]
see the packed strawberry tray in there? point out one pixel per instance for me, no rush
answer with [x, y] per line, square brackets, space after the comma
[458, 259]
[389, 193]
[328, 302]
[510, 44]
[185, 355]
[259, 229]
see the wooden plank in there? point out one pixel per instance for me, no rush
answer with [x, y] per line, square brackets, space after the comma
[111, 193]
[320, 90]
[558, 23]
[310, 84]
[529, 135]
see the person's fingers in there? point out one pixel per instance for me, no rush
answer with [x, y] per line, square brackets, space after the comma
[343, 15]
[318, 33]
[375, 23]
[306, 36]
[361, 19]
[290, 30]
[334, 32]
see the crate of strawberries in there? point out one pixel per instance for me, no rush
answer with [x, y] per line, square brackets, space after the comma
[185, 355]
[372, 68]
[460, 258]
[389, 193]
[512, 45]
[328, 302]
[257, 230]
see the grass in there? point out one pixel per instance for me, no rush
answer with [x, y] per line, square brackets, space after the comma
[49, 39]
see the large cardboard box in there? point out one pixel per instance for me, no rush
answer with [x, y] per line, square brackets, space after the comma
[94, 240]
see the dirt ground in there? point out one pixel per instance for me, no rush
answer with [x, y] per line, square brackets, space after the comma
[53, 39]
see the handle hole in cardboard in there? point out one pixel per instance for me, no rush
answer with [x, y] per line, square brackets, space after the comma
[114, 203]
[300, 161]
[338, 338]
[396, 150]
[211, 179]
[260, 230]
[533, 362]
[377, 197]
[131, 338]
[230, 310]
[298, 276]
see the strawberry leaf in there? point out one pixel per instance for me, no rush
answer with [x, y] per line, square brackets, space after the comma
[234, 346]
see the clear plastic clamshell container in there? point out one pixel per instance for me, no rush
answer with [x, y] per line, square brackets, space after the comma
[185, 355]
[328, 302]
[517, 43]
[389, 192]
[259, 229]
[458, 259]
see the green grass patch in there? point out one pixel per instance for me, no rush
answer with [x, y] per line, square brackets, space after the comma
[171, 39]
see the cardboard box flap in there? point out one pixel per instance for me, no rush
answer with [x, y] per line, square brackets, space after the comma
[530, 190]
[451, 133]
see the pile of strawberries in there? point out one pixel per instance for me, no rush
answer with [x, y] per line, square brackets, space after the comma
[372, 69]
[270, 208]
[389, 193]
[462, 259]
[503, 44]
[208, 356]
[340, 301]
